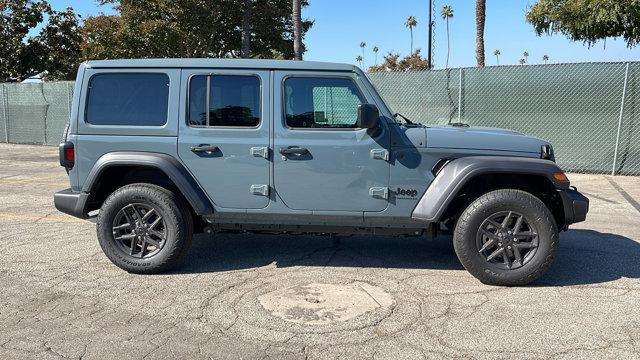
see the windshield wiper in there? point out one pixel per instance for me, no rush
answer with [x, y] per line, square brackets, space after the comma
[404, 118]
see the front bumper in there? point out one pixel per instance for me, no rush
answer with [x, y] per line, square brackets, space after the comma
[575, 206]
[72, 203]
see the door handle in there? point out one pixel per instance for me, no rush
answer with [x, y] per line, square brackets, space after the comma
[293, 150]
[204, 148]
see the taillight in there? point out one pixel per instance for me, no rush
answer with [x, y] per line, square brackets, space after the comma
[67, 154]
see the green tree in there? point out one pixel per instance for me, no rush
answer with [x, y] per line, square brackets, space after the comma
[392, 62]
[196, 28]
[17, 18]
[362, 46]
[545, 58]
[522, 61]
[526, 56]
[481, 16]
[497, 54]
[411, 22]
[359, 59]
[56, 49]
[447, 13]
[173, 28]
[587, 20]
[414, 62]
[375, 52]
[104, 38]
[389, 63]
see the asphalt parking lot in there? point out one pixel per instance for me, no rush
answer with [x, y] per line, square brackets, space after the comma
[304, 297]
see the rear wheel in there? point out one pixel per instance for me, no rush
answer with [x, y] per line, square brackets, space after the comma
[506, 237]
[144, 228]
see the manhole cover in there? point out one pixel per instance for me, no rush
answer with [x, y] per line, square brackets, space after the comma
[321, 304]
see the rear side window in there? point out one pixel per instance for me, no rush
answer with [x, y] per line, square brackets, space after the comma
[138, 99]
[321, 103]
[232, 101]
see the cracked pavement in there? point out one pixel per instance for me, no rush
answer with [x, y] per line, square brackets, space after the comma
[61, 298]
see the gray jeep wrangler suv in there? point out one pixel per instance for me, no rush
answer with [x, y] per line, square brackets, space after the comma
[160, 149]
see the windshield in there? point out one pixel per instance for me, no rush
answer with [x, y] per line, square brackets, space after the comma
[374, 91]
[394, 116]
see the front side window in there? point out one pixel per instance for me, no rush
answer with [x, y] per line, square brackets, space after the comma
[138, 99]
[232, 101]
[316, 102]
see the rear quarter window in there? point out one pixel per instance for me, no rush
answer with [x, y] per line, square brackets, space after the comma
[136, 99]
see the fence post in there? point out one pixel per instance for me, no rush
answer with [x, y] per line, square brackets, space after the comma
[46, 113]
[624, 95]
[460, 97]
[5, 105]
[68, 100]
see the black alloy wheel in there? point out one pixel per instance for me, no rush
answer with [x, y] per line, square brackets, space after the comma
[139, 230]
[144, 228]
[507, 239]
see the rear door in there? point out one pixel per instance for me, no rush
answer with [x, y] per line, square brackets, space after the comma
[322, 161]
[224, 137]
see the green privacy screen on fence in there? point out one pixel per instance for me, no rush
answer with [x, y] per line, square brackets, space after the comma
[34, 113]
[577, 107]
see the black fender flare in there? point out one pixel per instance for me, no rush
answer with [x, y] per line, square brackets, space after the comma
[453, 176]
[168, 164]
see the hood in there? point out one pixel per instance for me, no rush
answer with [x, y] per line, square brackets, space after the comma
[481, 138]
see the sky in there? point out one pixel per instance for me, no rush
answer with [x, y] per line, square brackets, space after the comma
[340, 26]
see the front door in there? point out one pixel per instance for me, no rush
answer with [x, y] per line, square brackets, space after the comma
[322, 161]
[225, 136]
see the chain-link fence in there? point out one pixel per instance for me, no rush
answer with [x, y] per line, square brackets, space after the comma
[590, 112]
[34, 113]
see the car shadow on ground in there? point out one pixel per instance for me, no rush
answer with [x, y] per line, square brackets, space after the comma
[584, 256]
[592, 257]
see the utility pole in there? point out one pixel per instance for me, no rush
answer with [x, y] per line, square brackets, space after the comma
[430, 63]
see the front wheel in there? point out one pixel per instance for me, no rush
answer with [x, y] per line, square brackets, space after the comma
[144, 228]
[506, 237]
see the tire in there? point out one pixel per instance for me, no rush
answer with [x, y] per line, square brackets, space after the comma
[158, 247]
[479, 236]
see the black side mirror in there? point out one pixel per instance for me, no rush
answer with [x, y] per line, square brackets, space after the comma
[368, 116]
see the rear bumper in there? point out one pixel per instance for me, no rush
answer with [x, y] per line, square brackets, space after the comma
[70, 202]
[575, 206]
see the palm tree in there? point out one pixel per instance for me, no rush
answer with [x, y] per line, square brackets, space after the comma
[375, 51]
[497, 54]
[447, 13]
[411, 22]
[526, 56]
[297, 30]
[359, 59]
[481, 6]
[545, 58]
[362, 46]
[522, 61]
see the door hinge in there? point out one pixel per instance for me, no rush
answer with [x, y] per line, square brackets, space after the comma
[260, 190]
[379, 192]
[261, 151]
[380, 154]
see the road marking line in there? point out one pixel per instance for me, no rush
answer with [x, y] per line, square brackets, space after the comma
[45, 180]
[624, 194]
[38, 218]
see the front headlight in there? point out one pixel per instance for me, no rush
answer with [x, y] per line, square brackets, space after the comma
[546, 153]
